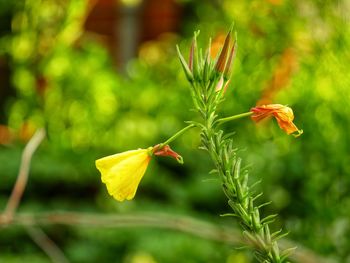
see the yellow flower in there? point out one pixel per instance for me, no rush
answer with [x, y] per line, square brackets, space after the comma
[283, 114]
[123, 172]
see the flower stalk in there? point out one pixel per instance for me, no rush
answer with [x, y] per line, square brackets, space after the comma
[234, 117]
[176, 135]
[207, 94]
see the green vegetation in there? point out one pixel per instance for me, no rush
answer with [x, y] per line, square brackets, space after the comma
[289, 52]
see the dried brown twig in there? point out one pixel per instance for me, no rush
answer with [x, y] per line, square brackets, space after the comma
[46, 244]
[23, 173]
[36, 233]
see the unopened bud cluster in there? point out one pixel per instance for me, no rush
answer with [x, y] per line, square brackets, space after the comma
[209, 77]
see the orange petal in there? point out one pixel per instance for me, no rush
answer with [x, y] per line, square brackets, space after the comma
[283, 114]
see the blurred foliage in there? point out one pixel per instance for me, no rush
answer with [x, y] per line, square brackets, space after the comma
[289, 52]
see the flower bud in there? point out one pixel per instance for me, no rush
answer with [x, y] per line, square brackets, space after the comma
[221, 62]
[231, 58]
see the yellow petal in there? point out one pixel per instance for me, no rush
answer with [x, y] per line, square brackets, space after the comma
[123, 172]
[106, 163]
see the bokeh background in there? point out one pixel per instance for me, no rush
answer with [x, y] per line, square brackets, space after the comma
[102, 77]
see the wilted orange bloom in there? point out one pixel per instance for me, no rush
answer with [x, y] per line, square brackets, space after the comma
[283, 114]
[167, 151]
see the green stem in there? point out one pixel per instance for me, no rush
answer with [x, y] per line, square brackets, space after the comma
[235, 117]
[179, 133]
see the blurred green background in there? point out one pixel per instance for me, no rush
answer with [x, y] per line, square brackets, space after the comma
[103, 77]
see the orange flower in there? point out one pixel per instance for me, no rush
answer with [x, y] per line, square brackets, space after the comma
[283, 114]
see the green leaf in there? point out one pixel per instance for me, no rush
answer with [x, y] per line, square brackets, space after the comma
[185, 67]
